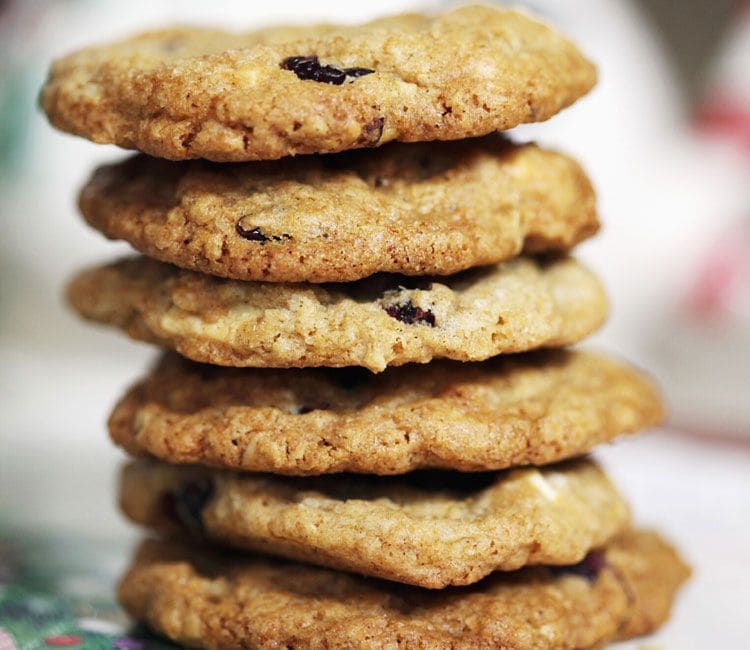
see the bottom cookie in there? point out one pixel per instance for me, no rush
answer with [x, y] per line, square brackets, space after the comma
[209, 599]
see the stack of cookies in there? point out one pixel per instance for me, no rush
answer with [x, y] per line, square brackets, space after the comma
[311, 484]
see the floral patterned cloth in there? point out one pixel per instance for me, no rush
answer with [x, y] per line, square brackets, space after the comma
[57, 592]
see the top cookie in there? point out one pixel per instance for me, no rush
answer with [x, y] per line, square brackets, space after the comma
[201, 93]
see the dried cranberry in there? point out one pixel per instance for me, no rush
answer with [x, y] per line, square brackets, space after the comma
[371, 132]
[187, 502]
[357, 72]
[256, 234]
[310, 68]
[407, 313]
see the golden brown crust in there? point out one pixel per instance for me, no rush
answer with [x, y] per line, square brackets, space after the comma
[650, 607]
[515, 410]
[202, 600]
[512, 307]
[430, 529]
[419, 209]
[199, 93]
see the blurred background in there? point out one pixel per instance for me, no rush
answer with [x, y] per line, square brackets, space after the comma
[666, 139]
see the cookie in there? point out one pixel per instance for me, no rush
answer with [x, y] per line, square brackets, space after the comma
[202, 598]
[430, 529]
[512, 410]
[202, 93]
[380, 321]
[415, 209]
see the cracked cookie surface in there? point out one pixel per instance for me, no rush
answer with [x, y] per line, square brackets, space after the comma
[430, 529]
[201, 598]
[416, 209]
[379, 321]
[201, 93]
[530, 409]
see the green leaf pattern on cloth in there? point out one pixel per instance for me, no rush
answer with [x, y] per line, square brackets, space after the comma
[58, 592]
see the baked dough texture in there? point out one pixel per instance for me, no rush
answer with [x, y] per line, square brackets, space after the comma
[529, 409]
[383, 320]
[202, 93]
[417, 209]
[208, 599]
[431, 529]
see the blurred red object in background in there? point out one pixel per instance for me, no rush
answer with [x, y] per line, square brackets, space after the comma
[725, 109]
